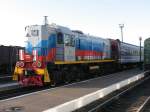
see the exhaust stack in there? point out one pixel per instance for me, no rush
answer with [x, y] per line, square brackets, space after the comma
[45, 20]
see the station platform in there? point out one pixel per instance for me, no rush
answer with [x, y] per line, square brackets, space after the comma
[73, 96]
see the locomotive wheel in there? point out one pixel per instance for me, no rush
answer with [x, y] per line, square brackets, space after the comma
[77, 76]
[81, 75]
[54, 78]
[67, 77]
[53, 83]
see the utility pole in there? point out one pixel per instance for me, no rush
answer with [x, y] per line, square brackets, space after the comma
[121, 28]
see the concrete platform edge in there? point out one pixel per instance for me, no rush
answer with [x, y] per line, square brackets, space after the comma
[84, 100]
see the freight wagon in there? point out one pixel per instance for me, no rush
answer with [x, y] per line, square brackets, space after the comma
[8, 59]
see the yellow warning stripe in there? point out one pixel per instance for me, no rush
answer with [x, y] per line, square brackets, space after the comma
[79, 62]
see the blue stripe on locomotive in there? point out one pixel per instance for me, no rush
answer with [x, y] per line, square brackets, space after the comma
[28, 48]
[84, 44]
[43, 45]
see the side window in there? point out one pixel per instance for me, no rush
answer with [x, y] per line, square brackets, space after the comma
[72, 41]
[78, 43]
[60, 38]
[69, 40]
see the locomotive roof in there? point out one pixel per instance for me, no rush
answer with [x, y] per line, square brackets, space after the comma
[77, 33]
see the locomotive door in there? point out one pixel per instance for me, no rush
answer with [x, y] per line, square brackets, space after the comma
[115, 49]
[69, 47]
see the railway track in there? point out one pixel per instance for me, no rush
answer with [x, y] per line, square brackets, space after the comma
[145, 107]
[5, 78]
[19, 91]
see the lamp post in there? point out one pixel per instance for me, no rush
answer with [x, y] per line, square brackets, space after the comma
[140, 39]
[121, 28]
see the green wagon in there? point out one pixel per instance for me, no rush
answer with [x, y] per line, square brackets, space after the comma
[147, 54]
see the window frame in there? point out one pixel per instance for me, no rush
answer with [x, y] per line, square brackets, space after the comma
[33, 33]
[62, 39]
[69, 40]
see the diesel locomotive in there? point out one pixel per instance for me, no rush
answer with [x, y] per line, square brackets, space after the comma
[57, 54]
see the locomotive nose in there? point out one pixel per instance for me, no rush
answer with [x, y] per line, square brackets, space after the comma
[30, 70]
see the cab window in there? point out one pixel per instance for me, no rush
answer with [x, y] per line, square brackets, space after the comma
[69, 40]
[60, 38]
[35, 33]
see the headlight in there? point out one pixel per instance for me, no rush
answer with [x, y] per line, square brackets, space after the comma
[20, 64]
[39, 64]
[17, 64]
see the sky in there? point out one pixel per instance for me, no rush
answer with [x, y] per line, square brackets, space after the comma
[95, 17]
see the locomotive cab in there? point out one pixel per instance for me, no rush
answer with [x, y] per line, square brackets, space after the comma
[66, 47]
